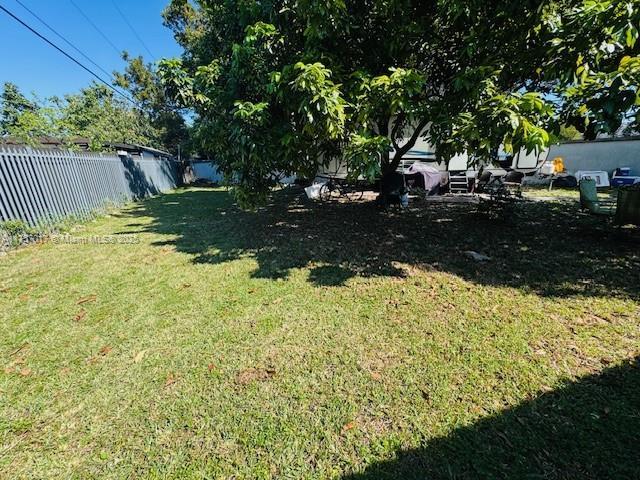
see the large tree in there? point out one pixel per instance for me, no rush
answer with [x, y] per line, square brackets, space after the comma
[143, 82]
[284, 85]
[597, 61]
[27, 119]
[13, 104]
[95, 113]
[103, 117]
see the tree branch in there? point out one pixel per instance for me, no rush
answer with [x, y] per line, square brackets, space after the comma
[414, 138]
[400, 152]
[394, 132]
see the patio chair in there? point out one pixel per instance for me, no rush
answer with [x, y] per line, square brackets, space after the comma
[628, 206]
[512, 181]
[506, 187]
[484, 178]
[589, 199]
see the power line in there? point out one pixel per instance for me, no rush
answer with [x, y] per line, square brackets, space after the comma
[133, 29]
[70, 57]
[96, 28]
[59, 35]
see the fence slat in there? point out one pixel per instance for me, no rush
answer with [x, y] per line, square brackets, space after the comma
[74, 166]
[43, 181]
[31, 184]
[19, 194]
[48, 168]
[95, 186]
[54, 170]
[83, 211]
[66, 183]
[21, 179]
[6, 200]
[101, 179]
[84, 182]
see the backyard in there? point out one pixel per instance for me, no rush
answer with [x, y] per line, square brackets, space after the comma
[323, 341]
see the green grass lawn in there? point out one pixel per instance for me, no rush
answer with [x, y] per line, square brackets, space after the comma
[310, 341]
[538, 192]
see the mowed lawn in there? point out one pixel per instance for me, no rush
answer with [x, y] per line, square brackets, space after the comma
[310, 341]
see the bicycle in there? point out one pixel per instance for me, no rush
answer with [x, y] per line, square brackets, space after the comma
[337, 188]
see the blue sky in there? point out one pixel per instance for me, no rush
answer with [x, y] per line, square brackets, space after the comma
[36, 67]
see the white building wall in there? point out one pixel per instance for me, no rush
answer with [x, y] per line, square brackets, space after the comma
[604, 155]
[207, 171]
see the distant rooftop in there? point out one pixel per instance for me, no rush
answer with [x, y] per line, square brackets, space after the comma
[605, 139]
[83, 143]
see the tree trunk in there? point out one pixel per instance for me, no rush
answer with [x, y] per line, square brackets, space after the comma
[401, 151]
[383, 131]
[388, 166]
[392, 165]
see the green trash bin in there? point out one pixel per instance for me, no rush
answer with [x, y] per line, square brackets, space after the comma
[628, 209]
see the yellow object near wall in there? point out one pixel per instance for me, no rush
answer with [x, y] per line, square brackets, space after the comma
[558, 165]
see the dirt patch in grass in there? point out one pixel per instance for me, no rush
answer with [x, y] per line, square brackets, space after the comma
[250, 375]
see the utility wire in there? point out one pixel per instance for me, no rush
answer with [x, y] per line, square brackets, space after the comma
[70, 57]
[59, 35]
[96, 28]
[133, 29]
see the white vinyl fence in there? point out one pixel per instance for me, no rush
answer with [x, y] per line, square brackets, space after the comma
[40, 187]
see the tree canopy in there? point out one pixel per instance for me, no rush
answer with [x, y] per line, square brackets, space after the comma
[25, 118]
[100, 115]
[144, 84]
[285, 85]
[13, 104]
[95, 113]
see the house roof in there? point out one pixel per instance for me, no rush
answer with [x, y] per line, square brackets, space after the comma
[132, 147]
[630, 138]
[44, 141]
[415, 153]
[52, 142]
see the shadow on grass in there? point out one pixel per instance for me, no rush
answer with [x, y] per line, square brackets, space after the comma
[589, 429]
[547, 248]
